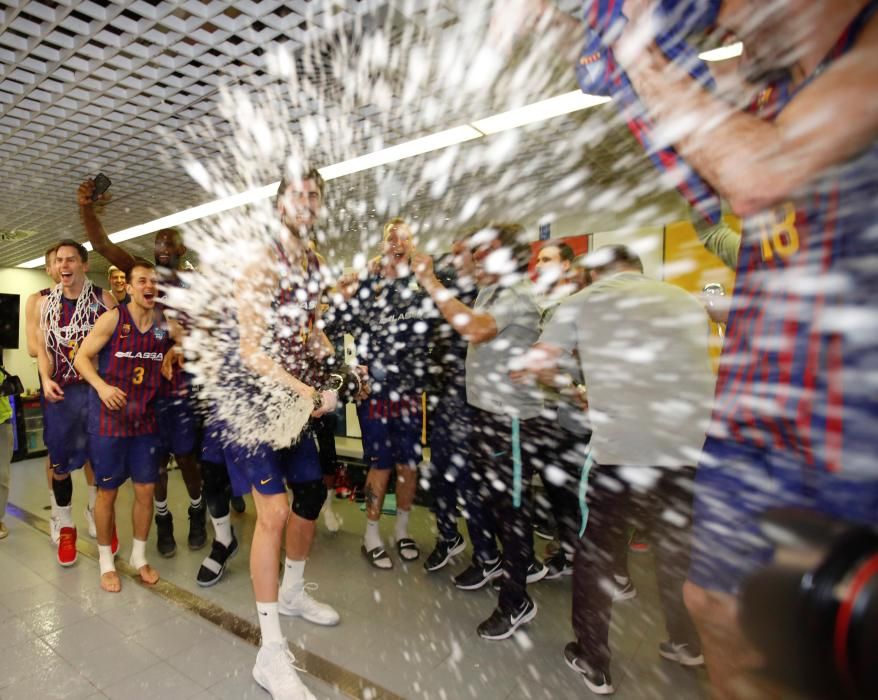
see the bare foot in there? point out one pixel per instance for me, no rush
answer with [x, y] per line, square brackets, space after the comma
[148, 575]
[111, 582]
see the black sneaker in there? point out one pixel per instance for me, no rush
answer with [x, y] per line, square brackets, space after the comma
[197, 526]
[625, 589]
[544, 532]
[213, 567]
[559, 565]
[502, 625]
[164, 535]
[477, 575]
[681, 653]
[598, 682]
[536, 571]
[445, 549]
[239, 505]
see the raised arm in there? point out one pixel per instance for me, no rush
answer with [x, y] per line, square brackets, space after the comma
[52, 391]
[109, 300]
[84, 361]
[476, 327]
[32, 323]
[720, 239]
[751, 162]
[95, 231]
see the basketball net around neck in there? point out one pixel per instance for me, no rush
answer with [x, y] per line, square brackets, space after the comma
[70, 336]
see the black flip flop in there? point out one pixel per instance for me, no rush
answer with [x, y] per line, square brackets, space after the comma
[375, 555]
[405, 545]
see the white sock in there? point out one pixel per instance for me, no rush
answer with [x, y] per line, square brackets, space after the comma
[621, 580]
[106, 558]
[195, 502]
[402, 524]
[327, 504]
[53, 503]
[92, 497]
[269, 623]
[222, 529]
[373, 535]
[138, 554]
[161, 507]
[294, 573]
[65, 516]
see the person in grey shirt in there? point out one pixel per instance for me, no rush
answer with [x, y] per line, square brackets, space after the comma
[643, 349]
[565, 427]
[501, 326]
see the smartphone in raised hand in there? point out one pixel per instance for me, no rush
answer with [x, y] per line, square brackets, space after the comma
[102, 184]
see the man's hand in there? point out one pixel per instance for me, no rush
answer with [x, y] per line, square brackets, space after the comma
[521, 376]
[348, 284]
[172, 359]
[717, 306]
[113, 397]
[578, 395]
[365, 389]
[422, 266]
[52, 391]
[86, 191]
[330, 402]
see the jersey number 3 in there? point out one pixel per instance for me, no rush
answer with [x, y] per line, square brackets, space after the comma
[138, 375]
[782, 237]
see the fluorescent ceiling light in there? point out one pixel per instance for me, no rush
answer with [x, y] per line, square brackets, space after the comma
[539, 111]
[723, 53]
[415, 147]
[536, 112]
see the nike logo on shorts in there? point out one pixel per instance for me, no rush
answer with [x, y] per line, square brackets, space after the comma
[263, 482]
[107, 478]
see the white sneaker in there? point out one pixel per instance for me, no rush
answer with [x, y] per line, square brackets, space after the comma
[275, 670]
[332, 521]
[55, 530]
[92, 528]
[299, 603]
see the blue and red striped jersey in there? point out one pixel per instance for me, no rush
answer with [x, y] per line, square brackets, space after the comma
[802, 341]
[62, 356]
[131, 361]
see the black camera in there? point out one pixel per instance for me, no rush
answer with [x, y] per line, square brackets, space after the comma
[813, 612]
[10, 385]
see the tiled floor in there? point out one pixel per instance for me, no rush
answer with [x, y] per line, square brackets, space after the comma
[405, 631]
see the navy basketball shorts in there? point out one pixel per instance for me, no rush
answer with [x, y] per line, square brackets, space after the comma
[268, 470]
[117, 459]
[65, 430]
[177, 424]
[737, 483]
[391, 431]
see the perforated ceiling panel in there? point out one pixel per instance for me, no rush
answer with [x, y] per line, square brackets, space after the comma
[103, 86]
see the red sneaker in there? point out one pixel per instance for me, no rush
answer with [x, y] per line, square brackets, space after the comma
[67, 546]
[638, 543]
[114, 543]
[342, 483]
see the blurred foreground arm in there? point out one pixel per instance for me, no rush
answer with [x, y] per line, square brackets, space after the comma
[752, 162]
